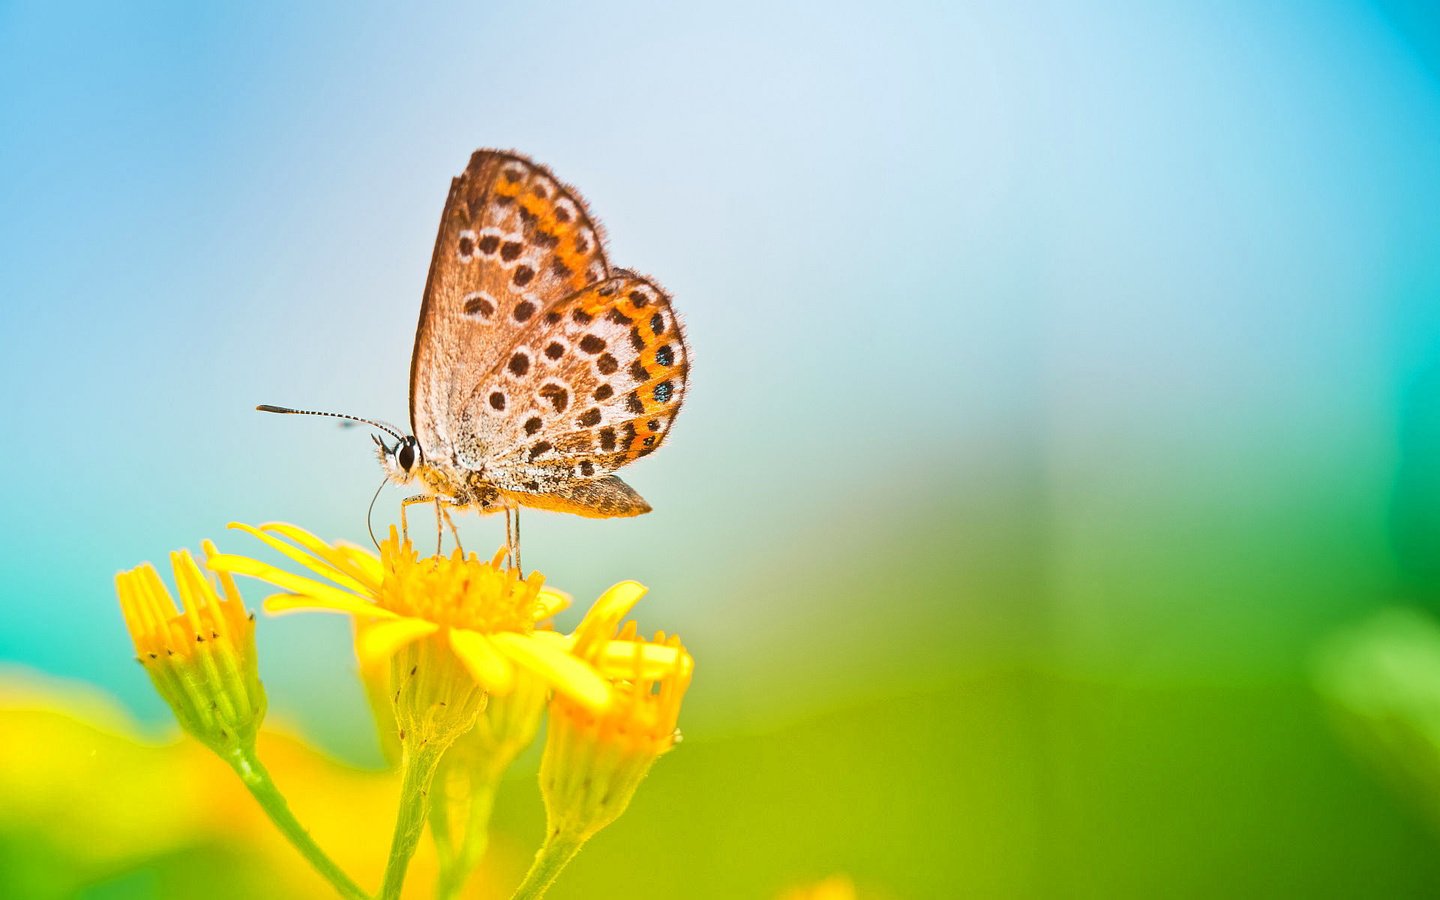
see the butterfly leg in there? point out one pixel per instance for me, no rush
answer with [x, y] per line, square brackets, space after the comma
[512, 538]
[439, 528]
[407, 502]
[454, 532]
[509, 540]
[518, 570]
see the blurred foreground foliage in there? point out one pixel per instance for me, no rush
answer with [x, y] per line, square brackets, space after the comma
[1382, 680]
[1009, 783]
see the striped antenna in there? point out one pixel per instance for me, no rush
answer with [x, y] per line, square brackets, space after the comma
[286, 411]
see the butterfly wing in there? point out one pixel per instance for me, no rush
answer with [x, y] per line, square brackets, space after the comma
[513, 240]
[607, 372]
[606, 497]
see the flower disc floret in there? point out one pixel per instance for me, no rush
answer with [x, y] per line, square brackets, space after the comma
[457, 590]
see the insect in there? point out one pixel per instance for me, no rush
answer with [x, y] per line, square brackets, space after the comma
[538, 370]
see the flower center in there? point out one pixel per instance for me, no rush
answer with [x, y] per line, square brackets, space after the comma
[459, 591]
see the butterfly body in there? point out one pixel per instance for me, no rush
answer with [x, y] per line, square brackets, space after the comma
[446, 482]
[453, 486]
[538, 370]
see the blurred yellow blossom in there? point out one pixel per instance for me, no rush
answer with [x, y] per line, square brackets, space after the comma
[105, 801]
[836, 887]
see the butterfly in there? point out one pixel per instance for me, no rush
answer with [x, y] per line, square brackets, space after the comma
[538, 370]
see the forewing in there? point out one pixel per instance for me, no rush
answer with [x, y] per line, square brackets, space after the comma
[513, 241]
[604, 373]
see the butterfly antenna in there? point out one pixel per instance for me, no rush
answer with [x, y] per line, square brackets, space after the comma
[286, 411]
[370, 514]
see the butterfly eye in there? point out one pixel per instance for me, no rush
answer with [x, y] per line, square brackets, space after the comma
[406, 455]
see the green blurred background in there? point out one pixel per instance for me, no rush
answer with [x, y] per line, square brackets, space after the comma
[1065, 375]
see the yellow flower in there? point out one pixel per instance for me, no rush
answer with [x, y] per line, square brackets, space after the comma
[509, 723]
[201, 659]
[483, 613]
[594, 760]
[836, 887]
[470, 776]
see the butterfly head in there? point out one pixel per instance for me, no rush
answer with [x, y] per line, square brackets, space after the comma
[402, 459]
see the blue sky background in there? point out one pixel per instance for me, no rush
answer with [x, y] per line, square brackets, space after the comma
[1100, 297]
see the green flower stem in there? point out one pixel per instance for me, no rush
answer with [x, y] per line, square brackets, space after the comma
[477, 829]
[415, 786]
[456, 870]
[441, 813]
[247, 765]
[559, 849]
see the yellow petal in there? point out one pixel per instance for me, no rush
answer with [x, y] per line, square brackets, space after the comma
[377, 642]
[208, 608]
[547, 658]
[164, 620]
[298, 584]
[599, 623]
[363, 564]
[232, 593]
[640, 660]
[367, 565]
[550, 602]
[480, 656]
[191, 587]
[133, 607]
[279, 604]
[321, 563]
